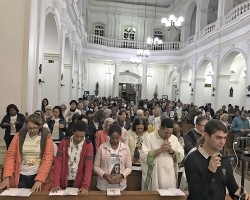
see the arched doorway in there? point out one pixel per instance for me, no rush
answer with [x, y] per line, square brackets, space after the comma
[129, 86]
[231, 79]
[203, 83]
[66, 82]
[51, 62]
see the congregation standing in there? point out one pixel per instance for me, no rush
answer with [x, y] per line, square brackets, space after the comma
[109, 136]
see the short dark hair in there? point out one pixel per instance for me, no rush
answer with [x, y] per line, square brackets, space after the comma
[114, 128]
[214, 125]
[167, 123]
[139, 121]
[73, 101]
[80, 126]
[83, 117]
[200, 119]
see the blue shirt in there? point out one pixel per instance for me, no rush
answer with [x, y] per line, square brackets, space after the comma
[238, 123]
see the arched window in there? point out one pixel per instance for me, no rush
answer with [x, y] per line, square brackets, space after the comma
[129, 33]
[99, 30]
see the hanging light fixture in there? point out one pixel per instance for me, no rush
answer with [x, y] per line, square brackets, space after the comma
[172, 21]
[143, 53]
[156, 41]
[135, 61]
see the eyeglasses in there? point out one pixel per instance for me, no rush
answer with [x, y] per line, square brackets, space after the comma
[33, 129]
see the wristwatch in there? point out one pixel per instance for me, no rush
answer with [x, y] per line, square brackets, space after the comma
[171, 153]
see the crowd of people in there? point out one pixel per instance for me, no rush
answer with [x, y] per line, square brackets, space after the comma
[60, 146]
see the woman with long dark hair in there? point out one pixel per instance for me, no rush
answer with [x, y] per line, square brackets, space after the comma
[57, 124]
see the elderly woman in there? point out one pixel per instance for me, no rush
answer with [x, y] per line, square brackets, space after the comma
[109, 155]
[12, 123]
[29, 157]
[102, 135]
[134, 138]
[224, 119]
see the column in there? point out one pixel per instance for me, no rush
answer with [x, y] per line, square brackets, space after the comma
[117, 26]
[72, 83]
[197, 21]
[247, 89]
[62, 50]
[116, 78]
[192, 90]
[144, 80]
[178, 82]
[214, 94]
[221, 13]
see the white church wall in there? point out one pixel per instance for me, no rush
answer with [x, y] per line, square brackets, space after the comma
[97, 74]
[156, 79]
[14, 55]
[185, 92]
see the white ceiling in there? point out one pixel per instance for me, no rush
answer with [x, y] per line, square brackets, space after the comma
[159, 3]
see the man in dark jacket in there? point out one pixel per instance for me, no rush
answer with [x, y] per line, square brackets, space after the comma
[208, 175]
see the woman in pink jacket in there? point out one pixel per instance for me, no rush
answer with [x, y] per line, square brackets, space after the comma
[113, 161]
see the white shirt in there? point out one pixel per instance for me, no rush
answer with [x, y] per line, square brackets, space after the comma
[12, 125]
[74, 153]
[30, 160]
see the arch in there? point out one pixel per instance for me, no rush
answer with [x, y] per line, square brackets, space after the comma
[201, 69]
[51, 39]
[230, 76]
[190, 18]
[130, 74]
[51, 71]
[228, 59]
[54, 11]
[185, 72]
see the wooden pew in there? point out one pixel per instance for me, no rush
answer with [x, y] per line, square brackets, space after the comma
[133, 181]
[100, 195]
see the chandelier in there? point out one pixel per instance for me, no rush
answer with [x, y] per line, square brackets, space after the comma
[153, 42]
[143, 53]
[135, 61]
[172, 21]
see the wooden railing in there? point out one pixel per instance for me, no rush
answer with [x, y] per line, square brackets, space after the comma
[237, 11]
[130, 44]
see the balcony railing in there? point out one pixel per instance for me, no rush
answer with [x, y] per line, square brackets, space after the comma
[208, 29]
[189, 40]
[129, 44]
[237, 11]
